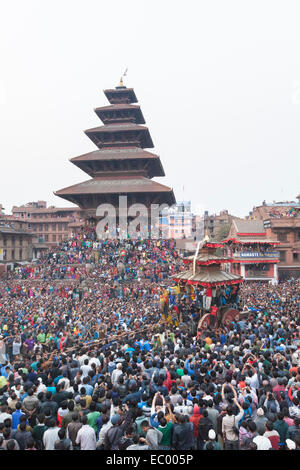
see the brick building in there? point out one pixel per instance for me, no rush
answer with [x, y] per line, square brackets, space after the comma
[214, 223]
[16, 244]
[282, 222]
[255, 255]
[49, 225]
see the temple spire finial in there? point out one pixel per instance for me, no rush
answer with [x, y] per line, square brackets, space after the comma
[206, 236]
[121, 79]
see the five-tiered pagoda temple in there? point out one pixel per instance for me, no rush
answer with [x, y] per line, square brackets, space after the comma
[120, 166]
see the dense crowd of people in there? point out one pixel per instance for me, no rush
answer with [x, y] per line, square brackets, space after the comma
[87, 361]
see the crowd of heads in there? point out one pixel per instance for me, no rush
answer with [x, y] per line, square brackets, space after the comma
[87, 361]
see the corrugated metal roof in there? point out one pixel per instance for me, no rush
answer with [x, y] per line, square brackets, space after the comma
[249, 226]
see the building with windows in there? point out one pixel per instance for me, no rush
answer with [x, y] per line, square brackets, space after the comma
[255, 256]
[178, 221]
[214, 224]
[16, 244]
[49, 225]
[282, 222]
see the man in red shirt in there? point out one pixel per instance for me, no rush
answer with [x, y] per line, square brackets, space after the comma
[213, 312]
[279, 388]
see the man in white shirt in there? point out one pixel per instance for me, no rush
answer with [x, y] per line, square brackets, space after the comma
[182, 408]
[186, 379]
[3, 356]
[252, 379]
[178, 345]
[175, 397]
[94, 360]
[106, 425]
[262, 442]
[17, 346]
[86, 436]
[116, 374]
[294, 410]
[229, 424]
[4, 415]
[82, 358]
[50, 435]
[296, 358]
[85, 368]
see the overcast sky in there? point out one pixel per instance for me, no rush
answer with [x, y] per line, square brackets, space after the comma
[218, 83]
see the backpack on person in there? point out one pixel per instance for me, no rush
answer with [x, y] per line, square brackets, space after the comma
[158, 433]
[204, 427]
[124, 442]
[63, 444]
[271, 410]
[293, 434]
[235, 429]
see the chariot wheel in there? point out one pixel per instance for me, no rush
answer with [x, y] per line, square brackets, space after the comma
[229, 316]
[205, 321]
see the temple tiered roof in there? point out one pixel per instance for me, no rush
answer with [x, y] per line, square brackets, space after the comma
[120, 135]
[120, 159]
[120, 95]
[120, 113]
[205, 259]
[205, 267]
[208, 277]
[121, 166]
[121, 184]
